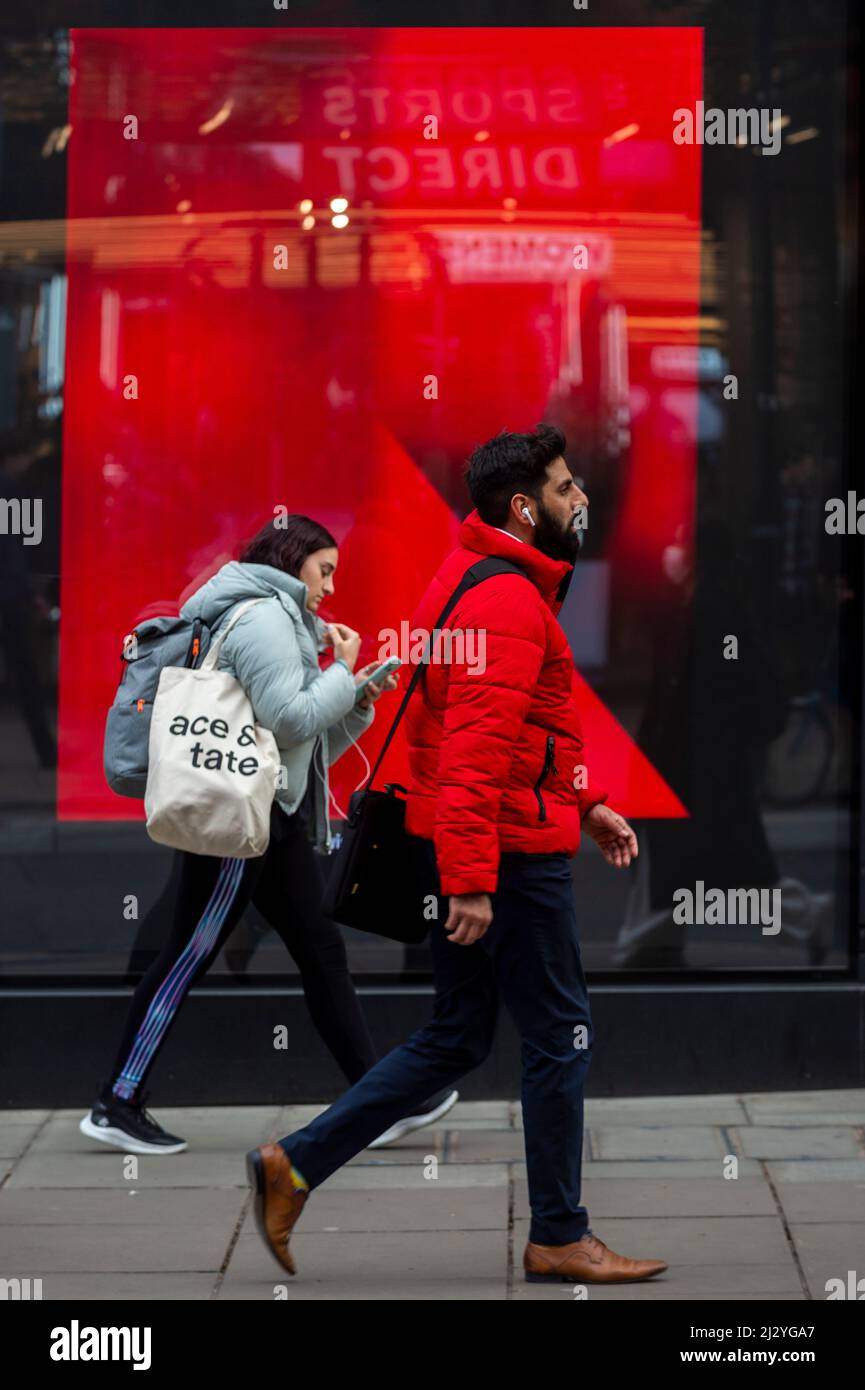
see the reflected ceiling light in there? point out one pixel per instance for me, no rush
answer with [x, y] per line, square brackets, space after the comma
[184, 205]
[509, 202]
[344, 134]
[340, 220]
[305, 205]
[482, 135]
[624, 134]
[338, 204]
[308, 222]
[781, 122]
[809, 133]
[219, 119]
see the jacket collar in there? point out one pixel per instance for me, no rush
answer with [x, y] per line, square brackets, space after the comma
[289, 586]
[237, 580]
[551, 577]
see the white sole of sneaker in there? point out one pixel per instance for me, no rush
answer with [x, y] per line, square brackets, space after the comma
[116, 1139]
[413, 1122]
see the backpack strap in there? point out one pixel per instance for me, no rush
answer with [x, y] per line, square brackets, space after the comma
[194, 642]
[476, 574]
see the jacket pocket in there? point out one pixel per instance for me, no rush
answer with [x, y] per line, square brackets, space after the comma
[548, 767]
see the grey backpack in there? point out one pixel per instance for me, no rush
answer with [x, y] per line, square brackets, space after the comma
[155, 643]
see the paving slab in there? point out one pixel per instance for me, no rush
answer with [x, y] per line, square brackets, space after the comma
[817, 1170]
[430, 1208]
[660, 1290]
[15, 1138]
[669, 1141]
[190, 1245]
[500, 1111]
[798, 1141]
[106, 1169]
[815, 1102]
[432, 1265]
[642, 1168]
[24, 1117]
[293, 1117]
[483, 1110]
[138, 1288]
[678, 1110]
[484, 1146]
[102, 1207]
[357, 1177]
[829, 1251]
[454, 1120]
[823, 1201]
[413, 1149]
[665, 1197]
[813, 1118]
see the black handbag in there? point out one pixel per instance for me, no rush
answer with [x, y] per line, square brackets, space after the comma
[372, 884]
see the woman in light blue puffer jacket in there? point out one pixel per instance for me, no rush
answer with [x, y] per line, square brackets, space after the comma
[273, 650]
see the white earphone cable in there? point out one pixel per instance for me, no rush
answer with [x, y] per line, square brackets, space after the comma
[321, 775]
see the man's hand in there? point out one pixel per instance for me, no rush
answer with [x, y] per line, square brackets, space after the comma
[469, 917]
[612, 834]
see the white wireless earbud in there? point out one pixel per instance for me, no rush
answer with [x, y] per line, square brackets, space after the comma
[528, 516]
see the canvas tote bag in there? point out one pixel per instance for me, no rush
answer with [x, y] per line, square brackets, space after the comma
[212, 770]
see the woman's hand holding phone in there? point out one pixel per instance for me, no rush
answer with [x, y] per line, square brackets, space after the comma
[373, 690]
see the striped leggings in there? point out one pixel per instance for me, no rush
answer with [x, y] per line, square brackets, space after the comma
[285, 884]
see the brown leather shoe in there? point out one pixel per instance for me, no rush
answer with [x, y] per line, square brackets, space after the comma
[278, 1203]
[584, 1261]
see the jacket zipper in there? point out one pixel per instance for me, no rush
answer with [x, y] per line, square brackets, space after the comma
[549, 766]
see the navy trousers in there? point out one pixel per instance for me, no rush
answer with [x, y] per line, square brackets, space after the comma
[530, 958]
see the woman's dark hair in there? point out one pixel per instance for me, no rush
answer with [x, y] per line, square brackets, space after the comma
[285, 543]
[511, 463]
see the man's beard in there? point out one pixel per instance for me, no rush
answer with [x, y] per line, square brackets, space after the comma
[554, 541]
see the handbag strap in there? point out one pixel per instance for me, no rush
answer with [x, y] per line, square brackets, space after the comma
[209, 662]
[484, 569]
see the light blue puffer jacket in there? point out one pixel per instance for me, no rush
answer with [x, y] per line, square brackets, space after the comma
[273, 652]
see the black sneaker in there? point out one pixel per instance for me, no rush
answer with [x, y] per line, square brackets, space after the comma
[425, 1114]
[126, 1125]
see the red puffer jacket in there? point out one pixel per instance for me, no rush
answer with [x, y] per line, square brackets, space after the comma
[494, 753]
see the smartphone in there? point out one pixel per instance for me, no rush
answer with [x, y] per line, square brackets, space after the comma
[385, 669]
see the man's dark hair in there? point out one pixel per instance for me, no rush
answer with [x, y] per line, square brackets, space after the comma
[286, 546]
[510, 463]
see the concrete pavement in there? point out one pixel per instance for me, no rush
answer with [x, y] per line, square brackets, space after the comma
[443, 1214]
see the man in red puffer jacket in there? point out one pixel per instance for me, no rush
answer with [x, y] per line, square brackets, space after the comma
[495, 746]
[499, 794]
